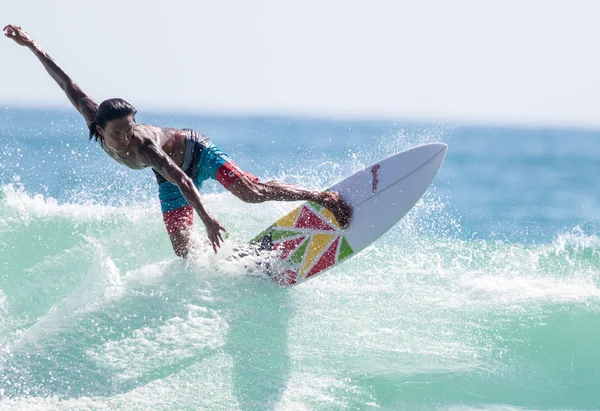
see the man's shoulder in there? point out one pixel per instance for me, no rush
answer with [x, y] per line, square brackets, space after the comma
[148, 130]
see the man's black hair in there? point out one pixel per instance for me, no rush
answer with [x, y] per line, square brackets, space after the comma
[108, 110]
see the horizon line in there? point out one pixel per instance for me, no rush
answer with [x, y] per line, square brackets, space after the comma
[326, 116]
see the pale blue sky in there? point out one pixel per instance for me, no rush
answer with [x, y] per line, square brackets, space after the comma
[521, 62]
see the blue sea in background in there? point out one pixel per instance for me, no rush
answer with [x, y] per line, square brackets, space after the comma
[485, 296]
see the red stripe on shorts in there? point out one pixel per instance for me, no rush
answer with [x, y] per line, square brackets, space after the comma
[179, 218]
[229, 173]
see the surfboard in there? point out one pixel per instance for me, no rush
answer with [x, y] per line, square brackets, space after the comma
[309, 241]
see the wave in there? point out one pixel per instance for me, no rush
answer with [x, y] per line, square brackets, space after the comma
[95, 309]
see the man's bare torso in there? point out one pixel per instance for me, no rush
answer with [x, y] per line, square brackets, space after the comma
[170, 140]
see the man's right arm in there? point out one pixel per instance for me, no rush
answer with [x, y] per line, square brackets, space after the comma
[84, 104]
[154, 157]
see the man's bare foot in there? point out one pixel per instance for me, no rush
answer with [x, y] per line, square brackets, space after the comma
[340, 209]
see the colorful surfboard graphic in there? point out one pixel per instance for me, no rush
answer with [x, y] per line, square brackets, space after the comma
[309, 241]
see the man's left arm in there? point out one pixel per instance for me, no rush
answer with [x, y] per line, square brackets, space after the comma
[82, 102]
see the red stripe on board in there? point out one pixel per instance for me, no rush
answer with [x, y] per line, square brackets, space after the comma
[308, 219]
[288, 277]
[327, 259]
[286, 247]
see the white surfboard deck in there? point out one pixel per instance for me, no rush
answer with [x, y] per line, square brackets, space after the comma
[308, 241]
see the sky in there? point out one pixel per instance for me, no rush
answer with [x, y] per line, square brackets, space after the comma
[531, 62]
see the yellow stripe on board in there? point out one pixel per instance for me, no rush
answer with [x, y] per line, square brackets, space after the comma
[329, 215]
[317, 245]
[288, 220]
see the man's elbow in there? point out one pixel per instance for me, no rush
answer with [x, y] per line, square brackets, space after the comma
[183, 182]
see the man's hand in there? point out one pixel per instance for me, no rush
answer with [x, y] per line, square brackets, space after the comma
[18, 35]
[213, 229]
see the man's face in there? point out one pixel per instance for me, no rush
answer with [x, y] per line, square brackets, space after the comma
[118, 132]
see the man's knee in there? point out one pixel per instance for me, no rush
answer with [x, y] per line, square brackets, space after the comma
[249, 191]
[181, 251]
[181, 242]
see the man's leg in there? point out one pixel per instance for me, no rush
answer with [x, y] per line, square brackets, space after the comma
[178, 216]
[180, 240]
[251, 191]
[179, 226]
[246, 187]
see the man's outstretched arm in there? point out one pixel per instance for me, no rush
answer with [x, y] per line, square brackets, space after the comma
[84, 104]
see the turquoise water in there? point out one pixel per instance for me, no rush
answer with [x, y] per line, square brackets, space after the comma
[485, 296]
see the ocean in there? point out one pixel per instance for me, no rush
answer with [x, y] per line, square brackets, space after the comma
[486, 296]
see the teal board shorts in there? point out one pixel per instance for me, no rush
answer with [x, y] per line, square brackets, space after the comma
[202, 160]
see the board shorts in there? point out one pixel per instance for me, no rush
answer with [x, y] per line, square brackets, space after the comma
[202, 160]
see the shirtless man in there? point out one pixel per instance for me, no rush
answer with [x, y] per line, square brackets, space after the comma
[181, 159]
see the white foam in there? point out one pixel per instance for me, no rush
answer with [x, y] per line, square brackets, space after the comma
[101, 285]
[4, 321]
[178, 338]
[576, 239]
[2, 302]
[520, 289]
[321, 390]
[26, 207]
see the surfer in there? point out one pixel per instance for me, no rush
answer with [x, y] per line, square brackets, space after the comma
[180, 158]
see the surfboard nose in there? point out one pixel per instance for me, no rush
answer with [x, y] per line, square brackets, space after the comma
[432, 153]
[441, 150]
[442, 147]
[431, 149]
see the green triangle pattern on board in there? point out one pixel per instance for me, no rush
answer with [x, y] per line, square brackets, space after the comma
[316, 206]
[298, 255]
[261, 235]
[277, 235]
[345, 250]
